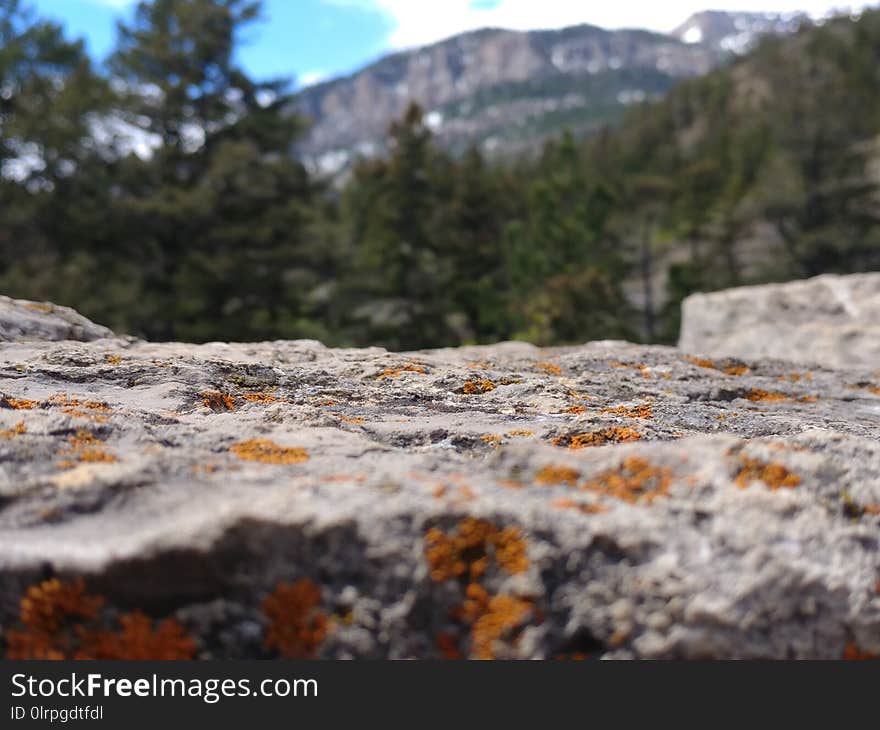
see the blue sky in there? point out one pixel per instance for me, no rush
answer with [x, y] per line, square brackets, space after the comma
[313, 39]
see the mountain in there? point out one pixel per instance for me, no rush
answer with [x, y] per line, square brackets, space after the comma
[735, 32]
[766, 169]
[506, 90]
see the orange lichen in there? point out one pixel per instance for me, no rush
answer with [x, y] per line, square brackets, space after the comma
[874, 389]
[95, 456]
[264, 398]
[296, 627]
[349, 419]
[93, 405]
[549, 367]
[397, 372]
[773, 475]
[18, 429]
[511, 551]
[491, 439]
[521, 433]
[642, 411]
[268, 452]
[138, 640]
[852, 652]
[46, 308]
[637, 480]
[731, 369]
[46, 613]
[576, 409]
[472, 387]
[587, 509]
[84, 446]
[18, 404]
[448, 646]
[90, 409]
[758, 395]
[701, 362]
[641, 367]
[501, 615]
[466, 552]
[558, 475]
[736, 369]
[79, 413]
[466, 555]
[614, 434]
[796, 377]
[113, 359]
[217, 401]
[46, 606]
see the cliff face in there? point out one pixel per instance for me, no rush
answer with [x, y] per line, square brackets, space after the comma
[288, 500]
[506, 90]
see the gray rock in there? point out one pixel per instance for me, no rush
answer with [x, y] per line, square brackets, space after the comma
[831, 320]
[285, 499]
[21, 320]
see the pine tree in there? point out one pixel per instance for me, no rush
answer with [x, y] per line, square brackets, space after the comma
[399, 234]
[49, 99]
[221, 211]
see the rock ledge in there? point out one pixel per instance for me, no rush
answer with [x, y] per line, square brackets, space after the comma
[288, 500]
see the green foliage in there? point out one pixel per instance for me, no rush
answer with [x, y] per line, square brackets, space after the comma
[767, 169]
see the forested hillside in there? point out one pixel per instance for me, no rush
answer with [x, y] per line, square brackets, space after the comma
[765, 169]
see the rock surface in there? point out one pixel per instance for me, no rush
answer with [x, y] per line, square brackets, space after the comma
[22, 320]
[288, 500]
[830, 320]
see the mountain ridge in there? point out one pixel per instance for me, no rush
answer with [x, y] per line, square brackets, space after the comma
[506, 90]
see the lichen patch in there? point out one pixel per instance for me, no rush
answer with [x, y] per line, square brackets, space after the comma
[612, 435]
[296, 627]
[268, 452]
[637, 480]
[772, 474]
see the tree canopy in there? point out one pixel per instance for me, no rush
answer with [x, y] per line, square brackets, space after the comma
[160, 195]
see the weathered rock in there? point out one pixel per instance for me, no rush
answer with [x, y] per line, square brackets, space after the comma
[21, 320]
[830, 320]
[285, 499]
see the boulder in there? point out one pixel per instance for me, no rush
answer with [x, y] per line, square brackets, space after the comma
[22, 320]
[286, 500]
[830, 320]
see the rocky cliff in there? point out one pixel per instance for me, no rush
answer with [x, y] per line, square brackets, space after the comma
[283, 499]
[506, 90]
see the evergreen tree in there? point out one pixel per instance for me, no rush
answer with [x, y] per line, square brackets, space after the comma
[50, 98]
[221, 212]
[474, 244]
[575, 268]
[398, 239]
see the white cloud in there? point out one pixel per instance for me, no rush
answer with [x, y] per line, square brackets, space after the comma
[311, 77]
[417, 22]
